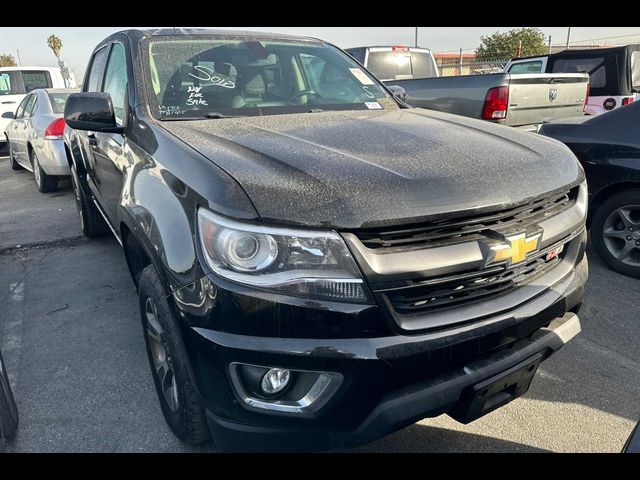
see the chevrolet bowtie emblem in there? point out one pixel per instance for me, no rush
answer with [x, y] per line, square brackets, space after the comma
[515, 249]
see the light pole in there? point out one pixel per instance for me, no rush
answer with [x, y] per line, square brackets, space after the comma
[416, 42]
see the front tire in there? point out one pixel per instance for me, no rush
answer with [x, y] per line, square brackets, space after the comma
[8, 409]
[92, 223]
[615, 232]
[46, 183]
[180, 402]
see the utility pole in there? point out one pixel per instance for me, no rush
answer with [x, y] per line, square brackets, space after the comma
[18, 52]
[461, 60]
[549, 43]
[416, 42]
[568, 36]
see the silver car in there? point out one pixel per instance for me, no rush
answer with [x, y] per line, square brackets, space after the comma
[35, 136]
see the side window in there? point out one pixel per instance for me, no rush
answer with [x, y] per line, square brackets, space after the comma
[635, 70]
[35, 79]
[115, 80]
[598, 78]
[526, 67]
[21, 107]
[29, 106]
[95, 74]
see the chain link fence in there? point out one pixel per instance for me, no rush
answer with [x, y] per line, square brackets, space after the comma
[454, 65]
[454, 69]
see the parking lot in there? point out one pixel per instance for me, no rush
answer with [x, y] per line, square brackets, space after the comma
[71, 337]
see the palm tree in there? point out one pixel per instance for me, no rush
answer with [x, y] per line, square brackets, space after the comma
[55, 44]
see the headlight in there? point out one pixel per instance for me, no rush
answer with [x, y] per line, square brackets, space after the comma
[314, 264]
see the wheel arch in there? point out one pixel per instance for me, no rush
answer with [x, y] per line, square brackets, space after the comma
[606, 192]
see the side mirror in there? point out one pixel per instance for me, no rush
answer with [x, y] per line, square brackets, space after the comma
[8, 115]
[399, 93]
[91, 111]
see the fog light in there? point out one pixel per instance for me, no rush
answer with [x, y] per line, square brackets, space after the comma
[275, 380]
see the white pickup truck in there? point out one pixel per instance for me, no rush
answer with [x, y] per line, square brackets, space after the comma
[523, 101]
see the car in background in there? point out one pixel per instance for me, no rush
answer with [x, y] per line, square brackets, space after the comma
[396, 63]
[522, 101]
[34, 136]
[17, 82]
[614, 73]
[608, 147]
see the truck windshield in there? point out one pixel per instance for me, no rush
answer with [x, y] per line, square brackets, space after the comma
[216, 77]
[401, 64]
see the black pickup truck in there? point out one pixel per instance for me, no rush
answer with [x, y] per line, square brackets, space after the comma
[317, 264]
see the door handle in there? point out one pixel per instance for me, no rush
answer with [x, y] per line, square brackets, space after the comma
[93, 141]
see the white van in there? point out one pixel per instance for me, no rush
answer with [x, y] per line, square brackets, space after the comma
[16, 82]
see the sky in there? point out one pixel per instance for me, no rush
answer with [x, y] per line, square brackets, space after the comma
[78, 42]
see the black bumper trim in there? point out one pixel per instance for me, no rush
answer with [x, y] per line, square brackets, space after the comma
[397, 409]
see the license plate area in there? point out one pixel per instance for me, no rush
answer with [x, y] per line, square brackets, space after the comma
[484, 397]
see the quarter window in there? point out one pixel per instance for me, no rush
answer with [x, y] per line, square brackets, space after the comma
[115, 80]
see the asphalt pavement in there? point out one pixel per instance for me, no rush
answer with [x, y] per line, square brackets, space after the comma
[71, 338]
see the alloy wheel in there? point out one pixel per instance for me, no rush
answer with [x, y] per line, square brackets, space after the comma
[36, 170]
[621, 234]
[160, 356]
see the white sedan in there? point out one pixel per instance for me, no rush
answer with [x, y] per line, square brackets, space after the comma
[34, 136]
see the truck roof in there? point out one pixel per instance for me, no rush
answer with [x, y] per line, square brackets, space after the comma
[29, 67]
[585, 51]
[392, 46]
[188, 32]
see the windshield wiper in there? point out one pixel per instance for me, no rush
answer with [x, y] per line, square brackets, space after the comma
[208, 115]
[218, 115]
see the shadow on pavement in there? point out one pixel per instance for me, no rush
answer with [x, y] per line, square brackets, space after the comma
[423, 438]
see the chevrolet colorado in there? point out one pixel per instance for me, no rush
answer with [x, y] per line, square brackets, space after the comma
[317, 264]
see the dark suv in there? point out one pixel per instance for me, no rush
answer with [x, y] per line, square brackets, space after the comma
[318, 264]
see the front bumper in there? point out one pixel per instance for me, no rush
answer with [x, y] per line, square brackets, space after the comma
[389, 381]
[397, 409]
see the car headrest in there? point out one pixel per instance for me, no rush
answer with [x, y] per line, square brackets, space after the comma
[254, 85]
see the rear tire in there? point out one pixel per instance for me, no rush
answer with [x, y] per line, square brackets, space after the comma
[615, 232]
[180, 401]
[46, 183]
[12, 161]
[8, 408]
[92, 223]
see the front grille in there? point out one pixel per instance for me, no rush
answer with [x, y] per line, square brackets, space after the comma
[457, 290]
[466, 228]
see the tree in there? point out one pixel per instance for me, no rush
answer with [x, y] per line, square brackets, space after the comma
[501, 46]
[55, 44]
[7, 60]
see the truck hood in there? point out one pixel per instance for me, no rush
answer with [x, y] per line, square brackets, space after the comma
[360, 169]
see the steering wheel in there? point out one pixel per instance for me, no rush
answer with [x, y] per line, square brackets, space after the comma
[297, 95]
